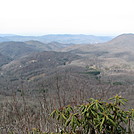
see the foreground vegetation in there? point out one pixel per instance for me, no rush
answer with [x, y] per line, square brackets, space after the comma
[93, 117]
[96, 117]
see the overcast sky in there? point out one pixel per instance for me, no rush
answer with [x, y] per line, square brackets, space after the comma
[38, 17]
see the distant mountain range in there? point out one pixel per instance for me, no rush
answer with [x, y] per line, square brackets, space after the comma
[120, 47]
[61, 38]
[3, 39]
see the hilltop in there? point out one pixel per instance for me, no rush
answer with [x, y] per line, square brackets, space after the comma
[15, 49]
[38, 63]
[120, 48]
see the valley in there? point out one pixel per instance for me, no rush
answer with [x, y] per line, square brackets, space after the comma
[48, 72]
[34, 61]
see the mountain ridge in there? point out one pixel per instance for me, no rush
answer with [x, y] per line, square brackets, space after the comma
[61, 38]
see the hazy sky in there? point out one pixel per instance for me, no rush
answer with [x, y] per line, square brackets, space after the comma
[100, 17]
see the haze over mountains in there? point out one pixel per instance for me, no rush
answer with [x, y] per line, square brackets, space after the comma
[61, 38]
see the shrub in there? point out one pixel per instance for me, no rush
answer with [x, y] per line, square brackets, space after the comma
[96, 117]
